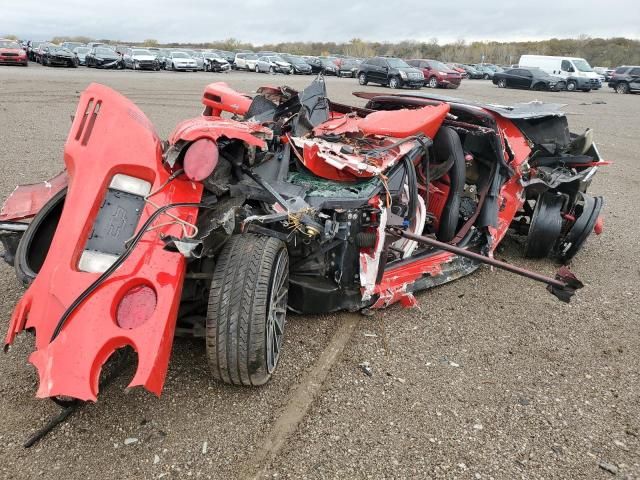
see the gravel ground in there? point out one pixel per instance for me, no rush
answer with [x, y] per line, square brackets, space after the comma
[490, 378]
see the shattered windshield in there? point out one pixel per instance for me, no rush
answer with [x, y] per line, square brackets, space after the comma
[582, 65]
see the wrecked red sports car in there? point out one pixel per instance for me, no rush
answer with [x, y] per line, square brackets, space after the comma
[281, 201]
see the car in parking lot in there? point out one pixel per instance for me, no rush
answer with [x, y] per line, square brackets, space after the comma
[348, 67]
[486, 71]
[272, 64]
[472, 72]
[298, 65]
[625, 79]
[437, 74]
[81, 54]
[391, 71]
[181, 61]
[528, 78]
[161, 55]
[214, 62]
[245, 61]
[140, 59]
[11, 53]
[102, 56]
[56, 55]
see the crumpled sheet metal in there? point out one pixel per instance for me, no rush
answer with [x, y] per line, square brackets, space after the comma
[27, 200]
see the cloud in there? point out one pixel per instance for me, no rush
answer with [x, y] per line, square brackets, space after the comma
[271, 21]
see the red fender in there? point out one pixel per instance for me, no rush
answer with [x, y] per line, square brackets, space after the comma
[109, 136]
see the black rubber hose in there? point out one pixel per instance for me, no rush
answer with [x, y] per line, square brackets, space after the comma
[448, 149]
[107, 273]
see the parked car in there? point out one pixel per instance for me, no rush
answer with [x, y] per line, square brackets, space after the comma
[140, 59]
[214, 62]
[437, 74]
[39, 52]
[485, 70]
[11, 53]
[197, 56]
[528, 78]
[272, 64]
[348, 67]
[161, 55]
[394, 72]
[52, 55]
[181, 61]
[298, 65]
[576, 71]
[245, 61]
[322, 65]
[626, 79]
[103, 57]
[32, 47]
[472, 72]
[457, 68]
[81, 54]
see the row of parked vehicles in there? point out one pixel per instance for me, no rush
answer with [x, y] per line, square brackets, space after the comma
[535, 72]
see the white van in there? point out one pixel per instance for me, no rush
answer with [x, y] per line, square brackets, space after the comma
[578, 73]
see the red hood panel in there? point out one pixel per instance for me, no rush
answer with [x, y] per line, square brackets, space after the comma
[109, 135]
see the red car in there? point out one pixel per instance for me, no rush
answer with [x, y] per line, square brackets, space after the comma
[437, 74]
[11, 53]
[223, 228]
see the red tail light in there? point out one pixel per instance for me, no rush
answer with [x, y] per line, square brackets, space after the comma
[201, 159]
[136, 307]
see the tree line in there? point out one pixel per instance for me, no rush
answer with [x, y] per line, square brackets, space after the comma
[606, 52]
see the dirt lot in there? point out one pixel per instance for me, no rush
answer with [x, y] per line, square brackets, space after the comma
[490, 378]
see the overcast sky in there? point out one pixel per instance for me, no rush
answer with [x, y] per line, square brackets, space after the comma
[270, 21]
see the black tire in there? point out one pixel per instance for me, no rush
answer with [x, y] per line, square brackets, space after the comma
[395, 83]
[247, 308]
[36, 240]
[433, 82]
[502, 83]
[173, 67]
[257, 68]
[571, 86]
[486, 76]
[362, 79]
[622, 88]
[272, 70]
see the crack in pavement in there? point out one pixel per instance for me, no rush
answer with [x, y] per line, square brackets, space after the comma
[301, 399]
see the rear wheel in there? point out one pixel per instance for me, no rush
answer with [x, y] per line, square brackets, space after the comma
[433, 82]
[622, 88]
[486, 76]
[247, 309]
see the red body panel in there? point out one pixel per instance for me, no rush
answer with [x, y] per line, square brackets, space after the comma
[109, 135]
[393, 285]
[215, 127]
[27, 200]
[219, 97]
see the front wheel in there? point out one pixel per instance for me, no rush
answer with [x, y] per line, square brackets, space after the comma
[433, 82]
[486, 76]
[247, 309]
[394, 82]
[571, 86]
[257, 69]
[502, 83]
[362, 79]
